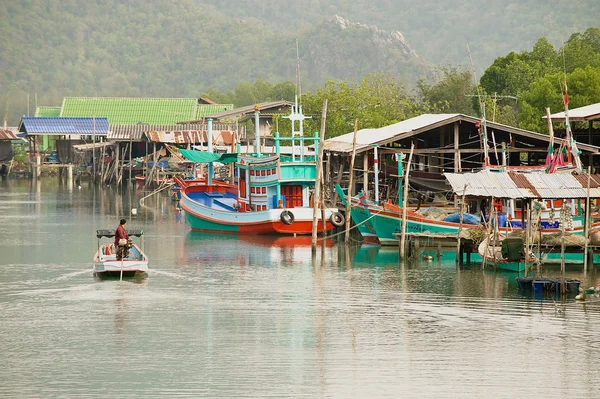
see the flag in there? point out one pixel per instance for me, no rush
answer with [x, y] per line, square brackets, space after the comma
[566, 99]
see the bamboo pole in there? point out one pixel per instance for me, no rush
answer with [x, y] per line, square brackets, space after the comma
[586, 228]
[130, 158]
[528, 236]
[323, 217]
[94, 150]
[102, 165]
[122, 164]
[317, 192]
[405, 202]
[563, 289]
[149, 176]
[351, 183]
[460, 226]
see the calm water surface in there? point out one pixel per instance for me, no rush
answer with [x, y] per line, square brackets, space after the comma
[228, 316]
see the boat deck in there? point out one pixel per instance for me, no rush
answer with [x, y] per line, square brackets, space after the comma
[215, 200]
[134, 254]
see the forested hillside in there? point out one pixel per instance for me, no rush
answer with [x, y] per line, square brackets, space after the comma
[246, 50]
[174, 49]
[438, 30]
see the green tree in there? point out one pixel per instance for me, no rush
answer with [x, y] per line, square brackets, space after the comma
[451, 93]
[584, 89]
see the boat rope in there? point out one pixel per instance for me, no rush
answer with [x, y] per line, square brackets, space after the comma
[161, 188]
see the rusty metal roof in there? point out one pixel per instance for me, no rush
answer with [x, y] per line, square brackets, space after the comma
[220, 137]
[523, 185]
[9, 134]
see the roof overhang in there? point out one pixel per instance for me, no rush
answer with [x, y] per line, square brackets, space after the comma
[366, 139]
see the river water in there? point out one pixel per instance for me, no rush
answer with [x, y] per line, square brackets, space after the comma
[228, 316]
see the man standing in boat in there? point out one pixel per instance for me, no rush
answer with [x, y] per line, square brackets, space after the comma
[122, 240]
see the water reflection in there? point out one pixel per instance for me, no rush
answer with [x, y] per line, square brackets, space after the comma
[239, 316]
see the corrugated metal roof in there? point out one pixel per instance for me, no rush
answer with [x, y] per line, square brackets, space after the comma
[367, 138]
[220, 137]
[270, 107]
[130, 111]
[31, 125]
[589, 112]
[47, 111]
[136, 132]
[9, 134]
[521, 185]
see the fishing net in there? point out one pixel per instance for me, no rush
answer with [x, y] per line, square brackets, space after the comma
[475, 235]
[433, 213]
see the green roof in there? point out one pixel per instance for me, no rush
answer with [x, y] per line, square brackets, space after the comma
[129, 111]
[47, 111]
[204, 110]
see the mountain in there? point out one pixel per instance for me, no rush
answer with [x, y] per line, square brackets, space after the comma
[177, 48]
[437, 30]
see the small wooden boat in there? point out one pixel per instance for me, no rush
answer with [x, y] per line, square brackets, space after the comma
[505, 254]
[105, 259]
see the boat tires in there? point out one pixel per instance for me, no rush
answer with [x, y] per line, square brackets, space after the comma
[337, 219]
[287, 217]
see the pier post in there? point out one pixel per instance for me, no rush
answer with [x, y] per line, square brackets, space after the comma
[350, 184]
[405, 201]
[38, 166]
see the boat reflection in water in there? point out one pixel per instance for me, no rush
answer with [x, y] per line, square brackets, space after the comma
[250, 250]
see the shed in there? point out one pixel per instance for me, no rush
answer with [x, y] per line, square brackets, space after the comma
[443, 143]
[64, 132]
[7, 136]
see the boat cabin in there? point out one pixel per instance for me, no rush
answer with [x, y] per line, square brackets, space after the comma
[268, 182]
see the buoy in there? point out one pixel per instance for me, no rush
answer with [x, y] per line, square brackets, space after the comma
[427, 257]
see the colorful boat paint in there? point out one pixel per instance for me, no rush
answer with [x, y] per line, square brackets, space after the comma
[386, 221]
[272, 195]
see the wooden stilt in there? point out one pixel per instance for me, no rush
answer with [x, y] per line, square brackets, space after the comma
[350, 184]
[405, 203]
[460, 226]
[317, 191]
[130, 158]
[586, 227]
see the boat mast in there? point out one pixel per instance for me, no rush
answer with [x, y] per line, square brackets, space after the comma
[484, 143]
[296, 115]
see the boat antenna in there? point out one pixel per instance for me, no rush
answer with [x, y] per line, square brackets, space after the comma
[298, 86]
[482, 108]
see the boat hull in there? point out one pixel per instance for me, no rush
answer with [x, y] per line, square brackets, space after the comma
[104, 264]
[210, 219]
[386, 224]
